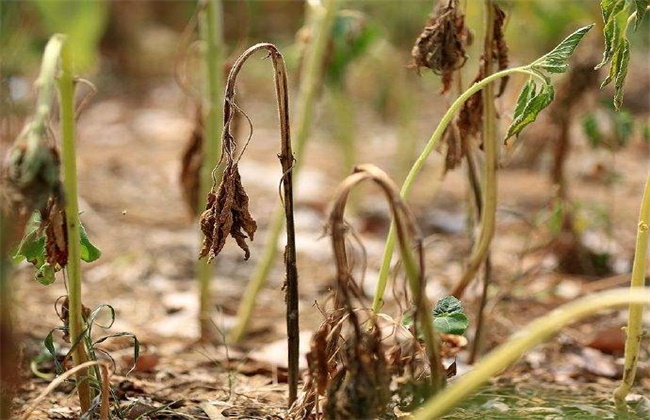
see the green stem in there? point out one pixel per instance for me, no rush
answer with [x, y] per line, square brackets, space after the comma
[73, 269]
[530, 336]
[211, 22]
[309, 86]
[635, 317]
[419, 163]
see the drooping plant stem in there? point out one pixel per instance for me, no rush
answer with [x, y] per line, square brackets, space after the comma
[531, 335]
[312, 76]
[73, 269]
[420, 161]
[407, 234]
[210, 23]
[634, 329]
[286, 157]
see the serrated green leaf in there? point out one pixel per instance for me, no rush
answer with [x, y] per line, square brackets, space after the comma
[89, 252]
[449, 317]
[618, 72]
[526, 94]
[556, 61]
[641, 9]
[529, 112]
[612, 34]
[611, 8]
[451, 324]
[447, 306]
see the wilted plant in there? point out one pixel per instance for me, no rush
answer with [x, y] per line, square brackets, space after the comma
[349, 362]
[536, 95]
[322, 16]
[55, 238]
[227, 210]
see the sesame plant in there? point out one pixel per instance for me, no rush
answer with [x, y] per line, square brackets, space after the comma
[536, 95]
[322, 17]
[55, 240]
[351, 362]
[227, 210]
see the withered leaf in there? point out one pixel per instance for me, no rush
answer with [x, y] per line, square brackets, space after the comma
[191, 165]
[56, 234]
[469, 121]
[441, 45]
[226, 214]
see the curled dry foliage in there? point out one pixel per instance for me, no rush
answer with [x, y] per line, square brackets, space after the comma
[56, 234]
[191, 165]
[469, 121]
[227, 214]
[350, 363]
[441, 45]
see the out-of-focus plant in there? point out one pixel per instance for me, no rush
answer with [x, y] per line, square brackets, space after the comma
[83, 21]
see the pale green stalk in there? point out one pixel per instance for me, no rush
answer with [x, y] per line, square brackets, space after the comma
[210, 23]
[76, 323]
[634, 328]
[530, 336]
[312, 75]
[420, 161]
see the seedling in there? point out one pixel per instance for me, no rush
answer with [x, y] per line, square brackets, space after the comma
[227, 208]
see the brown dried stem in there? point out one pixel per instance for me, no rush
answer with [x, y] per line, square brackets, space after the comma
[407, 234]
[227, 210]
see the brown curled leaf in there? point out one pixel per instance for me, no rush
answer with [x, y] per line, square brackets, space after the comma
[226, 214]
[56, 234]
[441, 45]
[191, 161]
[469, 121]
[499, 46]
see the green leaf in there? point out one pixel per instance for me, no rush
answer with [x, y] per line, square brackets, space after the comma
[592, 130]
[89, 252]
[641, 9]
[557, 60]
[612, 33]
[449, 317]
[529, 105]
[611, 8]
[618, 72]
[45, 274]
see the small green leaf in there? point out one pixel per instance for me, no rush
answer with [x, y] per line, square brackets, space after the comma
[618, 72]
[641, 9]
[45, 274]
[89, 252]
[612, 33]
[611, 8]
[556, 61]
[532, 103]
[449, 317]
[592, 130]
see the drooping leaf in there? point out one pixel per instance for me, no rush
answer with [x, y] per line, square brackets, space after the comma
[611, 8]
[532, 103]
[89, 252]
[449, 317]
[641, 9]
[557, 60]
[612, 34]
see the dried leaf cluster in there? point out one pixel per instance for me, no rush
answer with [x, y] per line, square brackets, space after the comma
[441, 45]
[226, 214]
[469, 122]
